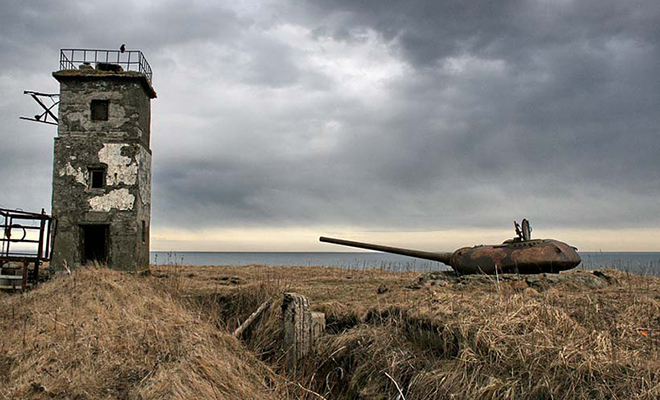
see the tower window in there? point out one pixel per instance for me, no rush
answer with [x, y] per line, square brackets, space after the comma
[100, 110]
[96, 178]
[144, 232]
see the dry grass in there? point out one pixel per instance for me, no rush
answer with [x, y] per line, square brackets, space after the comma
[105, 334]
[479, 339]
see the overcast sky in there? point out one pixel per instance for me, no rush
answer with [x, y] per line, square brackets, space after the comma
[425, 123]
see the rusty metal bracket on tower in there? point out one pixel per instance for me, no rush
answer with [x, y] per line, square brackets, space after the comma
[40, 98]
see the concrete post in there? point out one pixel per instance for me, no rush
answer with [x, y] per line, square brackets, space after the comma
[301, 326]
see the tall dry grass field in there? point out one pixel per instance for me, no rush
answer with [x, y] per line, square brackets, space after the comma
[391, 335]
[105, 334]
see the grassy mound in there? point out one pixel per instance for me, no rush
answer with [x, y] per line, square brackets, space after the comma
[102, 334]
[514, 347]
[502, 342]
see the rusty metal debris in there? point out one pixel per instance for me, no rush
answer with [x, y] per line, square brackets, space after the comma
[25, 243]
[522, 254]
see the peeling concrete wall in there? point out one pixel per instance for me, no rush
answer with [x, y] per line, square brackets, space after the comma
[118, 199]
[121, 169]
[76, 173]
[118, 146]
[144, 177]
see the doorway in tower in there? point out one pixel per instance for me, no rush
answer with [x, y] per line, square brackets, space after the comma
[94, 243]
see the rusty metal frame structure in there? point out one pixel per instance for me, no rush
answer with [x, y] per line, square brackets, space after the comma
[130, 60]
[19, 269]
[43, 117]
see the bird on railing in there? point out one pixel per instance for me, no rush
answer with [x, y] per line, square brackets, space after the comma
[122, 48]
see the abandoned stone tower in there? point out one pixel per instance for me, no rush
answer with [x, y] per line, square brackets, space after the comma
[102, 159]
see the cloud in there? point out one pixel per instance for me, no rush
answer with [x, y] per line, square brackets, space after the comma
[379, 115]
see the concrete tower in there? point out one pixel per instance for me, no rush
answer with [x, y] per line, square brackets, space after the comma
[102, 160]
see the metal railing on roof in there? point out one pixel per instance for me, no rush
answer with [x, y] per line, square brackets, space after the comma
[129, 60]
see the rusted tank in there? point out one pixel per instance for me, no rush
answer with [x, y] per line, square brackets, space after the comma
[522, 254]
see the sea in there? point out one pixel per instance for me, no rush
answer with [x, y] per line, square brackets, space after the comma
[646, 263]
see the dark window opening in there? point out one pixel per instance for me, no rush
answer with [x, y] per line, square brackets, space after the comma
[94, 243]
[100, 110]
[96, 178]
[144, 232]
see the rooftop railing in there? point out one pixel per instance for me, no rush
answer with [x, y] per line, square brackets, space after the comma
[129, 60]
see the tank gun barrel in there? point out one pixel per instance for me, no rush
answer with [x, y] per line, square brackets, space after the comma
[444, 258]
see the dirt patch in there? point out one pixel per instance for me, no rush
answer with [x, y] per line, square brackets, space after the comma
[575, 279]
[5, 368]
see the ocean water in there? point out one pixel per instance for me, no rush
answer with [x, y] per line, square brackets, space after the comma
[391, 262]
[647, 263]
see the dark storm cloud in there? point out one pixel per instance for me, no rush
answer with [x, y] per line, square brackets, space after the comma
[555, 95]
[427, 31]
[170, 23]
[390, 115]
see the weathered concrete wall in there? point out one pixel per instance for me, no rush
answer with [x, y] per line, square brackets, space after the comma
[120, 147]
[129, 113]
[143, 206]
